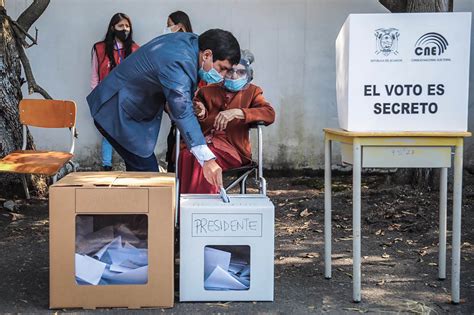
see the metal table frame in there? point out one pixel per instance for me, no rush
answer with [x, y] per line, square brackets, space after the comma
[359, 140]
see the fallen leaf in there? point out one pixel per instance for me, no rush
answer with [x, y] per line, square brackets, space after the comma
[305, 213]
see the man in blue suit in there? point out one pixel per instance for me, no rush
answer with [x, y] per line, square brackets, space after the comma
[128, 104]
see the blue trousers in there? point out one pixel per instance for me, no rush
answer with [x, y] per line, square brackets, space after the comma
[133, 162]
[106, 153]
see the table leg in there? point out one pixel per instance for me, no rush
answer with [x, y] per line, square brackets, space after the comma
[457, 203]
[443, 191]
[356, 187]
[327, 209]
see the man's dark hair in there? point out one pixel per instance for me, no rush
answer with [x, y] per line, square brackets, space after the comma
[223, 44]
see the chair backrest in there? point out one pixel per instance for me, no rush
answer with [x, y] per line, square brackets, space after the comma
[48, 113]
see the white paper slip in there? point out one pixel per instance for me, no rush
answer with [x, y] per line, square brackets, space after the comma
[134, 276]
[134, 255]
[127, 235]
[120, 268]
[213, 258]
[235, 268]
[88, 269]
[129, 264]
[244, 281]
[221, 279]
[245, 272]
[115, 244]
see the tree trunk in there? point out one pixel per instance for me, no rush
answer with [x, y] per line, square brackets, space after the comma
[398, 6]
[12, 56]
[418, 177]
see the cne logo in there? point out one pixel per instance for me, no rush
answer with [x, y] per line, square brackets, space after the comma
[431, 44]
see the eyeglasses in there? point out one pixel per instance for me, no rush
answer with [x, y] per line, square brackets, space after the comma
[239, 72]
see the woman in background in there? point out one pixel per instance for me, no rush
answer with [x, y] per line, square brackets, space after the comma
[178, 21]
[117, 45]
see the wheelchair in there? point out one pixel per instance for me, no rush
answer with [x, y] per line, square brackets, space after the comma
[241, 173]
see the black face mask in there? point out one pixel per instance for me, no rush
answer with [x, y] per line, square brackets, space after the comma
[122, 35]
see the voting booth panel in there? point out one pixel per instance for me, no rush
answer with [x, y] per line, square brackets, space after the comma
[226, 249]
[112, 240]
[403, 72]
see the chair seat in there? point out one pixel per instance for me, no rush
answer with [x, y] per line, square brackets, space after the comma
[240, 170]
[34, 162]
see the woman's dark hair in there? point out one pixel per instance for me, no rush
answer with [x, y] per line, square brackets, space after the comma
[223, 44]
[181, 17]
[110, 38]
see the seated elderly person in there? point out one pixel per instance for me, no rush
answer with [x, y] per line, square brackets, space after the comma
[225, 111]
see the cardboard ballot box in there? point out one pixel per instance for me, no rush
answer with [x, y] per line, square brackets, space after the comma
[112, 240]
[403, 72]
[226, 249]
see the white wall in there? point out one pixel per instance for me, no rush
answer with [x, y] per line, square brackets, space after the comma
[293, 41]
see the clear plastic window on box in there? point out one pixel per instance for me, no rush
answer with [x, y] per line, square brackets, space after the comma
[227, 267]
[111, 249]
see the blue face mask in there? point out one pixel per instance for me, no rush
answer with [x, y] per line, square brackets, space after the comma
[235, 85]
[211, 76]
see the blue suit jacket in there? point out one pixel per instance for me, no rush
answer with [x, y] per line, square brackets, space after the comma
[128, 104]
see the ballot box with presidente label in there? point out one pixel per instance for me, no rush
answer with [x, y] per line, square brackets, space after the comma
[226, 249]
[112, 240]
[403, 72]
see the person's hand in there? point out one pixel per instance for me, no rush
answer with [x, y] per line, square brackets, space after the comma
[199, 109]
[212, 173]
[224, 117]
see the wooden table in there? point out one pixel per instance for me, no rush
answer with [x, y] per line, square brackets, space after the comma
[397, 150]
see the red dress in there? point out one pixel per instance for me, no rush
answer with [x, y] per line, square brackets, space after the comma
[232, 146]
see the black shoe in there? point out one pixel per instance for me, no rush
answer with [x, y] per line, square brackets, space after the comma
[107, 168]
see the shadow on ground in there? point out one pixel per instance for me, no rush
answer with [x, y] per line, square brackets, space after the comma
[399, 249]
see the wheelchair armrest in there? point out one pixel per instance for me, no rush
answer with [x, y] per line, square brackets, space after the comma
[255, 125]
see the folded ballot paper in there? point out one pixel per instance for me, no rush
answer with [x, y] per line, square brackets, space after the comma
[107, 256]
[224, 270]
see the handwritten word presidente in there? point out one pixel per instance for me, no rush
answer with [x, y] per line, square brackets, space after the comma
[402, 108]
[206, 226]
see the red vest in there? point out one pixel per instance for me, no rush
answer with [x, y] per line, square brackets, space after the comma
[103, 60]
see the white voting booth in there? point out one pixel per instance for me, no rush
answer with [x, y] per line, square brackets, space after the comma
[403, 72]
[402, 99]
[226, 249]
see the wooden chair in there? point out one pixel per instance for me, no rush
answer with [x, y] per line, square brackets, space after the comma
[44, 114]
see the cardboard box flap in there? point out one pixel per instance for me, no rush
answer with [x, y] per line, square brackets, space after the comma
[136, 179]
[116, 179]
[87, 179]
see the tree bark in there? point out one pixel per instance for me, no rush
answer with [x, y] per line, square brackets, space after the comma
[12, 57]
[395, 6]
[398, 6]
[418, 177]
[31, 14]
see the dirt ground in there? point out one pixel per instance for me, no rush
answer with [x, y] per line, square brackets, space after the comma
[399, 249]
